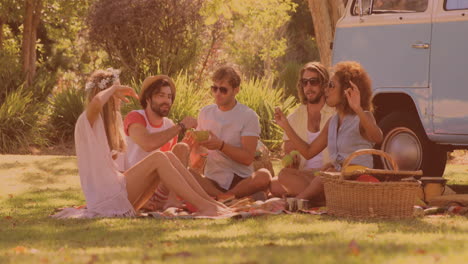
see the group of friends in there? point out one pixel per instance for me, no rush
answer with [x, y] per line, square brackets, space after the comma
[136, 162]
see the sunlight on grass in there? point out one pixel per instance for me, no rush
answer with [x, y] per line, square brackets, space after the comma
[29, 236]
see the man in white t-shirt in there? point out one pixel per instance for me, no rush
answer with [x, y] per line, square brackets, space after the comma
[149, 129]
[234, 132]
[307, 121]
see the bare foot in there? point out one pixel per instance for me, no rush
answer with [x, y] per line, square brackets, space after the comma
[173, 201]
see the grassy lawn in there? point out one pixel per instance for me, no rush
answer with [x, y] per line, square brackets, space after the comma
[32, 186]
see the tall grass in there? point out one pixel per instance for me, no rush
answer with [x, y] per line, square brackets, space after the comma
[19, 114]
[65, 108]
[262, 97]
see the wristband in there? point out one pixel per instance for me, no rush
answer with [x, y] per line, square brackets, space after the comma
[182, 126]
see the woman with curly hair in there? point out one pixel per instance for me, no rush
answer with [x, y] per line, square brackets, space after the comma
[353, 127]
[99, 139]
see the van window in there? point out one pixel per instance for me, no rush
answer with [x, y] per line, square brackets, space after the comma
[391, 6]
[456, 4]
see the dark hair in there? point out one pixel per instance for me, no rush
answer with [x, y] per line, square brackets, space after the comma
[155, 87]
[227, 73]
[347, 71]
[323, 76]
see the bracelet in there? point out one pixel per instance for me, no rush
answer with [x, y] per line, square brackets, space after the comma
[182, 126]
[222, 146]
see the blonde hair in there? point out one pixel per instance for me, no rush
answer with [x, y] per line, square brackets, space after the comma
[110, 111]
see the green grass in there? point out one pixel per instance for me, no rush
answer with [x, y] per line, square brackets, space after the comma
[32, 186]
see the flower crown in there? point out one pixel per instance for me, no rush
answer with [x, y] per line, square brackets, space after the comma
[104, 82]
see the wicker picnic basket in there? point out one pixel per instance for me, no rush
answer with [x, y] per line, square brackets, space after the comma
[355, 199]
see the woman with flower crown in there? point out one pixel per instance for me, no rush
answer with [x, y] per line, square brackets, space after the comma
[98, 140]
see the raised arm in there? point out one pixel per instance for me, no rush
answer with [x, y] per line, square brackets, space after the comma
[368, 126]
[95, 106]
[307, 150]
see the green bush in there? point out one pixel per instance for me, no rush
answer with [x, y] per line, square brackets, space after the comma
[261, 96]
[19, 116]
[65, 108]
[288, 78]
[191, 97]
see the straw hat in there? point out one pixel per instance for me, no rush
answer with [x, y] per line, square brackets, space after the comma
[152, 79]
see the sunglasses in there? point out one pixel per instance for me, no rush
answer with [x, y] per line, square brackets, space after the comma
[221, 89]
[311, 81]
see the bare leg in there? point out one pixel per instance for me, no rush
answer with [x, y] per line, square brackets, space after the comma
[276, 189]
[294, 181]
[182, 152]
[259, 181]
[206, 183]
[190, 178]
[314, 190]
[158, 166]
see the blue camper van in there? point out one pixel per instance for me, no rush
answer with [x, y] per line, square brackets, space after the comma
[416, 52]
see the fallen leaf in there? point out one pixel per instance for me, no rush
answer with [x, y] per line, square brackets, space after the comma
[19, 250]
[354, 248]
[420, 251]
[270, 244]
[168, 244]
[44, 260]
[93, 259]
[8, 217]
[10, 195]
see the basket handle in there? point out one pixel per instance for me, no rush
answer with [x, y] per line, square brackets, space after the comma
[377, 152]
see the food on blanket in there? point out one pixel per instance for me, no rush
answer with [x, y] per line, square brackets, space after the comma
[367, 178]
[200, 135]
[353, 168]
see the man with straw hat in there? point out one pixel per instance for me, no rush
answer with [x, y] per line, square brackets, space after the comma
[149, 129]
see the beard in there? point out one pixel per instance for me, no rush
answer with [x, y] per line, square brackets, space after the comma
[156, 108]
[316, 99]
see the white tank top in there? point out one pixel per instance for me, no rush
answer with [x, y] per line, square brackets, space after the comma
[134, 153]
[317, 161]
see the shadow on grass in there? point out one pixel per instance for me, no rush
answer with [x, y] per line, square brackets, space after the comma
[50, 171]
[11, 165]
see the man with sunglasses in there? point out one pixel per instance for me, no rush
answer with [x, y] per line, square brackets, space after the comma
[307, 121]
[234, 132]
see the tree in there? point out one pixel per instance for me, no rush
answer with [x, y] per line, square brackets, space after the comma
[325, 14]
[255, 34]
[148, 36]
[32, 17]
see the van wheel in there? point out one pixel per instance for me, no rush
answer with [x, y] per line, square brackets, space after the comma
[405, 139]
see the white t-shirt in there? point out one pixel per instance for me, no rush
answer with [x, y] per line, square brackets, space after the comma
[317, 161]
[230, 126]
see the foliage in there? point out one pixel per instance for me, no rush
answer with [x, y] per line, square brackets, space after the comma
[255, 36]
[262, 97]
[142, 35]
[191, 97]
[288, 78]
[19, 115]
[65, 108]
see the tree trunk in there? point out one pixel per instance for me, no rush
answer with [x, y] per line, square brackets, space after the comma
[323, 29]
[1, 33]
[31, 21]
[337, 8]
